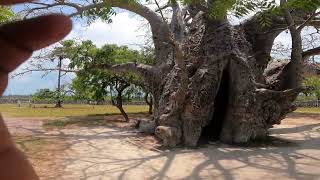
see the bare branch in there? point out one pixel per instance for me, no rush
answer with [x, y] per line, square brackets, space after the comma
[159, 10]
[281, 94]
[162, 8]
[141, 69]
[311, 52]
[178, 26]
[46, 6]
[137, 8]
[304, 24]
[26, 71]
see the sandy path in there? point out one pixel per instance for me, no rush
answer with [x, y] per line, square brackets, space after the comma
[24, 126]
[104, 153]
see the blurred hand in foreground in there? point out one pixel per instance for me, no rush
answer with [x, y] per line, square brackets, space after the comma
[18, 40]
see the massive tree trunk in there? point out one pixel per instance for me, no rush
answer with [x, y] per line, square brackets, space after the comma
[215, 79]
[222, 99]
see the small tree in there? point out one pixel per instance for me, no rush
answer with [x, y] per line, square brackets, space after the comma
[92, 82]
[44, 95]
[45, 62]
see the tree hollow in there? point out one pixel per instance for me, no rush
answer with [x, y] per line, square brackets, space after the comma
[212, 131]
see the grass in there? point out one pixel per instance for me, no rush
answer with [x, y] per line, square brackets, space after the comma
[46, 110]
[114, 121]
[12, 110]
[309, 110]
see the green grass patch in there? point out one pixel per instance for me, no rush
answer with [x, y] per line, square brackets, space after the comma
[308, 110]
[45, 110]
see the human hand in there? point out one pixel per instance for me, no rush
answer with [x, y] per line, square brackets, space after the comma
[18, 40]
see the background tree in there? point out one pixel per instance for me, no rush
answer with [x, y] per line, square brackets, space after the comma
[6, 14]
[314, 86]
[96, 83]
[211, 76]
[49, 62]
[44, 95]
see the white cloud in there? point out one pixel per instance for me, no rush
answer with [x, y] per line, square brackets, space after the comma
[124, 30]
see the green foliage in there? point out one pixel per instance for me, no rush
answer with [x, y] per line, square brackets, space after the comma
[91, 82]
[293, 5]
[217, 9]
[44, 95]
[5, 14]
[104, 13]
[220, 8]
[49, 96]
[240, 8]
[245, 7]
[308, 5]
[313, 84]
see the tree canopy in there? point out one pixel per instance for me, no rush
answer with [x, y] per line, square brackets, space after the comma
[92, 81]
[44, 95]
[5, 14]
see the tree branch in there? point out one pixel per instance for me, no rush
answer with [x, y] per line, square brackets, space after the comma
[304, 24]
[160, 29]
[293, 71]
[159, 10]
[140, 69]
[311, 52]
[43, 70]
[178, 26]
[281, 94]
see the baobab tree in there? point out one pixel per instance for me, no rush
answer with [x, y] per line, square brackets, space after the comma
[212, 77]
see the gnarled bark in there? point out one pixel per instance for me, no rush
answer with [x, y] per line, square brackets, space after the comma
[222, 98]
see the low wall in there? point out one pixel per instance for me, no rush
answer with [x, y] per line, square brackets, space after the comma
[307, 103]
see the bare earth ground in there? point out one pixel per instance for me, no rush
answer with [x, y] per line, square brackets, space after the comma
[109, 153]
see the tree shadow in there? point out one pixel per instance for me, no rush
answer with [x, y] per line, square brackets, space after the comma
[297, 129]
[114, 120]
[275, 156]
[296, 115]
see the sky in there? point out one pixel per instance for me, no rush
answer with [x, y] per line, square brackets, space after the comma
[124, 30]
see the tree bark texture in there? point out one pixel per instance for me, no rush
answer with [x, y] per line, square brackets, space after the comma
[224, 98]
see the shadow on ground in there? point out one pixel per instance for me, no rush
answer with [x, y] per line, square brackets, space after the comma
[292, 152]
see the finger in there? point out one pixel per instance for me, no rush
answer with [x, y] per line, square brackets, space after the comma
[11, 57]
[18, 40]
[38, 32]
[3, 85]
[7, 2]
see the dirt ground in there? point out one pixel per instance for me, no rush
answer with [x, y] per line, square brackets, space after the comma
[94, 153]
